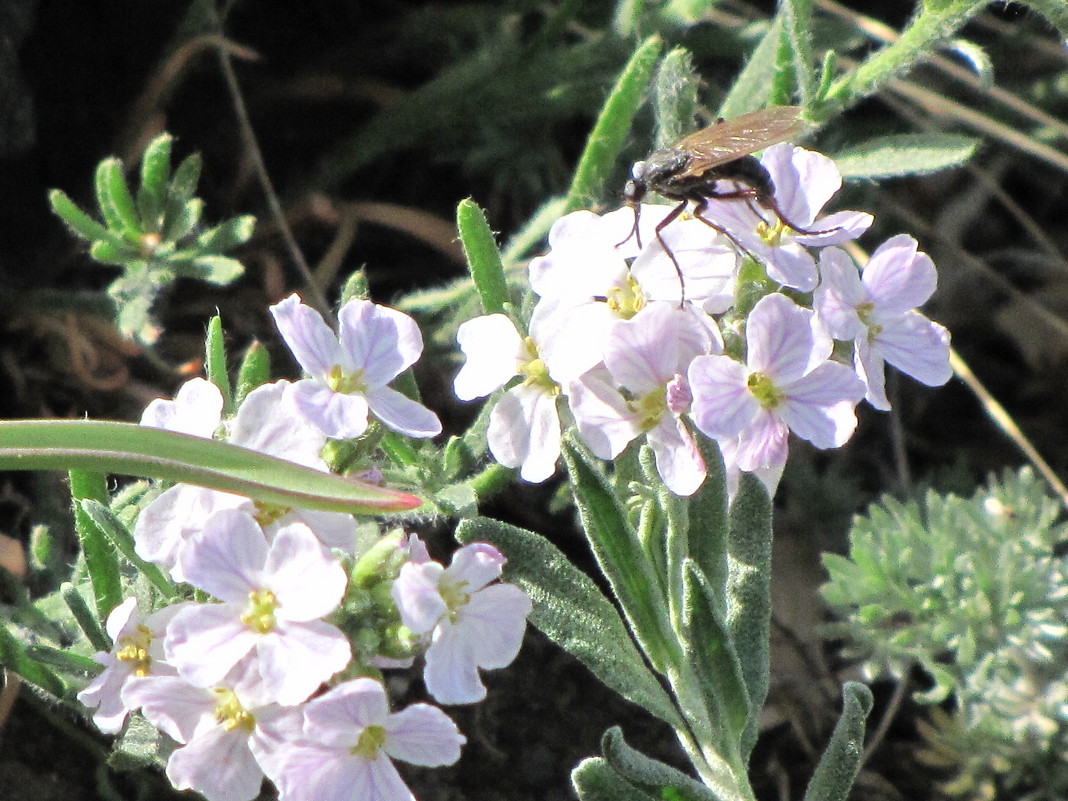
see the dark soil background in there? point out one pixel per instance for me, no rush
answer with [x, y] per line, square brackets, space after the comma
[334, 90]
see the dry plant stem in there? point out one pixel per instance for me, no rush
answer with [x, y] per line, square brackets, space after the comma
[313, 293]
[1005, 422]
[897, 438]
[892, 709]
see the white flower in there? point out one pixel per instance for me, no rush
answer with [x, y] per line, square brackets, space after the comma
[137, 650]
[877, 310]
[350, 371]
[350, 740]
[473, 625]
[196, 410]
[230, 736]
[272, 598]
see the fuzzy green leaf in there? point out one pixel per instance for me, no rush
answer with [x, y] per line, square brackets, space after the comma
[619, 554]
[100, 558]
[905, 154]
[13, 656]
[219, 270]
[572, 612]
[116, 203]
[155, 175]
[182, 220]
[797, 37]
[254, 370]
[119, 537]
[612, 127]
[80, 223]
[483, 257]
[594, 780]
[656, 778]
[749, 594]
[85, 618]
[224, 236]
[115, 253]
[841, 760]
[215, 362]
[676, 97]
[752, 88]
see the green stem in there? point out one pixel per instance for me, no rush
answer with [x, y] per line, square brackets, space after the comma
[933, 24]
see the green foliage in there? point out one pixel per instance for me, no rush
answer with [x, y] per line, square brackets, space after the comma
[973, 591]
[155, 236]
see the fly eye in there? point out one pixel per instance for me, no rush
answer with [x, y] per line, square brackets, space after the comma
[637, 172]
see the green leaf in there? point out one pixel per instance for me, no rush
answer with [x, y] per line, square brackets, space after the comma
[215, 362]
[254, 370]
[119, 536]
[219, 270]
[594, 780]
[535, 229]
[100, 558]
[108, 251]
[752, 88]
[572, 612]
[85, 618]
[13, 656]
[708, 525]
[709, 649]
[224, 236]
[116, 202]
[749, 594]
[483, 257]
[612, 127]
[619, 554]
[184, 183]
[676, 97]
[655, 777]
[155, 174]
[841, 760]
[80, 223]
[905, 154]
[181, 222]
[798, 39]
[131, 449]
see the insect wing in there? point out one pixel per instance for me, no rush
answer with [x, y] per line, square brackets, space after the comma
[737, 137]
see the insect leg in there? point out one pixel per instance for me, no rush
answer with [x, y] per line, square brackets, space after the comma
[702, 205]
[634, 229]
[769, 202]
[660, 226]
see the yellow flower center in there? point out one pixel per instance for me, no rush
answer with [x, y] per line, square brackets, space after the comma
[535, 372]
[270, 513]
[371, 741]
[259, 614]
[135, 649]
[454, 596]
[628, 300]
[230, 714]
[345, 384]
[772, 234]
[765, 391]
[650, 408]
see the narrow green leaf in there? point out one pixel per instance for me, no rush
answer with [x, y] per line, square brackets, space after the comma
[85, 618]
[572, 612]
[184, 183]
[798, 38]
[119, 536]
[534, 230]
[100, 558]
[483, 257]
[118, 255]
[594, 780]
[612, 127]
[676, 97]
[215, 362]
[226, 235]
[707, 515]
[181, 222]
[619, 554]
[218, 270]
[155, 175]
[840, 762]
[709, 650]
[80, 223]
[63, 659]
[686, 12]
[116, 202]
[654, 777]
[13, 656]
[749, 594]
[130, 449]
[905, 154]
[752, 88]
[254, 370]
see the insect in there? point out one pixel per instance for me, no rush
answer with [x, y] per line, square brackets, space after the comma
[689, 171]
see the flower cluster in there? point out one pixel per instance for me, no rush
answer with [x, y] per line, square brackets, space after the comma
[269, 667]
[641, 327]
